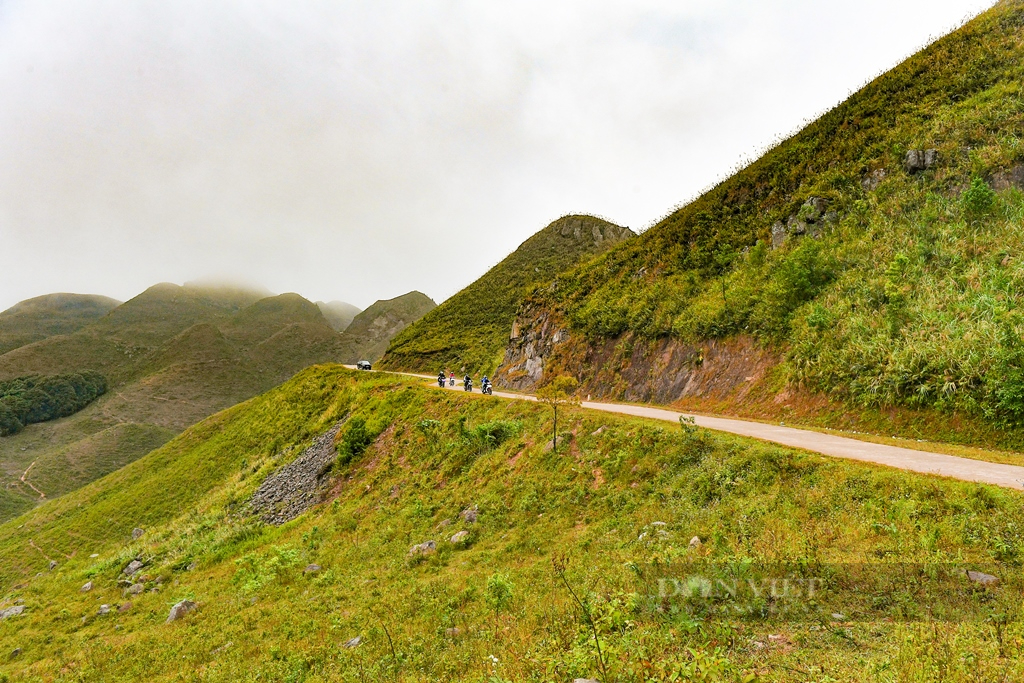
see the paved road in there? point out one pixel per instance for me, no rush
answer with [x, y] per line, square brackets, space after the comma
[965, 469]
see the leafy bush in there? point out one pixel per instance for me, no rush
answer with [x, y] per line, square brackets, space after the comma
[40, 398]
[356, 440]
[489, 435]
[979, 199]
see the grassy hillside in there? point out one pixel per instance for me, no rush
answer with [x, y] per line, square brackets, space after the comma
[46, 316]
[173, 355]
[370, 332]
[338, 313]
[877, 253]
[471, 328]
[616, 509]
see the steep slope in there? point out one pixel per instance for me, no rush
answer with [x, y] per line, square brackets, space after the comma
[874, 257]
[338, 313]
[370, 332]
[173, 355]
[338, 594]
[471, 328]
[46, 316]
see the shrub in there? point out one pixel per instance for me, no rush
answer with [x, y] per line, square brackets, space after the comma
[356, 440]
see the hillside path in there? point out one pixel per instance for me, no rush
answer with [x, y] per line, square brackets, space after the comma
[925, 462]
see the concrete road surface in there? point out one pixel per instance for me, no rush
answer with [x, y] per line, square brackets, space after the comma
[965, 469]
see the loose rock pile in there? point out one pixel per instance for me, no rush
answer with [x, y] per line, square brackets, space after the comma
[298, 486]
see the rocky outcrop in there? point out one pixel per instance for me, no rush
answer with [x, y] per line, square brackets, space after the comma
[660, 371]
[1011, 177]
[299, 485]
[809, 220]
[917, 160]
[180, 609]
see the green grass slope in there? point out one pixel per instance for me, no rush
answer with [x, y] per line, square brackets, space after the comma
[46, 316]
[471, 328]
[903, 289]
[174, 355]
[617, 508]
[368, 335]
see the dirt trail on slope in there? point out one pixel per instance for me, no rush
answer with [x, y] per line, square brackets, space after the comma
[911, 460]
[27, 483]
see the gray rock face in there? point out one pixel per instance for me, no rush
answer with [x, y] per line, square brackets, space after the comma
[133, 567]
[104, 609]
[299, 485]
[982, 578]
[917, 160]
[1004, 180]
[469, 515]
[424, 548]
[778, 234]
[137, 533]
[180, 609]
[11, 612]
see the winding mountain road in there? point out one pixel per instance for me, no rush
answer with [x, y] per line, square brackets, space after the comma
[925, 462]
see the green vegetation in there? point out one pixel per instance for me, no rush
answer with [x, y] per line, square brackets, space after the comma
[173, 356]
[894, 286]
[338, 313]
[50, 315]
[470, 329]
[368, 335]
[40, 399]
[578, 564]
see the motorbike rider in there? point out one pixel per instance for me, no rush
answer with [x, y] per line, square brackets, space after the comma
[440, 379]
[468, 383]
[485, 384]
[451, 379]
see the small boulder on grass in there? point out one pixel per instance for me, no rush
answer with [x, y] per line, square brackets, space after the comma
[180, 609]
[133, 567]
[86, 588]
[460, 537]
[425, 548]
[311, 569]
[982, 578]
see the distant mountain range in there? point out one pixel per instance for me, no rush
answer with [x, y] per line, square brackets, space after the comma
[172, 356]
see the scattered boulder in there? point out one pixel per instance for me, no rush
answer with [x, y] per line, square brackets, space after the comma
[1004, 180]
[917, 160]
[124, 608]
[453, 632]
[459, 537]
[353, 642]
[874, 179]
[311, 569]
[424, 548]
[134, 589]
[600, 430]
[11, 612]
[585, 680]
[469, 515]
[180, 609]
[813, 214]
[53, 565]
[133, 567]
[444, 523]
[982, 578]
[695, 543]
[137, 533]
[104, 609]
[86, 588]
[299, 485]
[14, 653]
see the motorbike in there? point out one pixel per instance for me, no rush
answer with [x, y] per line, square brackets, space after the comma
[440, 382]
[487, 389]
[451, 382]
[468, 385]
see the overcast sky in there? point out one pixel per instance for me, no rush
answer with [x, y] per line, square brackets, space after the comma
[359, 150]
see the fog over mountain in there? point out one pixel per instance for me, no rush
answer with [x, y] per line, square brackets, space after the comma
[341, 150]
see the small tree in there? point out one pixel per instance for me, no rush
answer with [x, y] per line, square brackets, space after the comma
[498, 594]
[558, 392]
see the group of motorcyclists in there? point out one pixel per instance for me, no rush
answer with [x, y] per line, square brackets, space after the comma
[467, 382]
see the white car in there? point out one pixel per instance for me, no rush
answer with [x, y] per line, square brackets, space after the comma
[363, 365]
